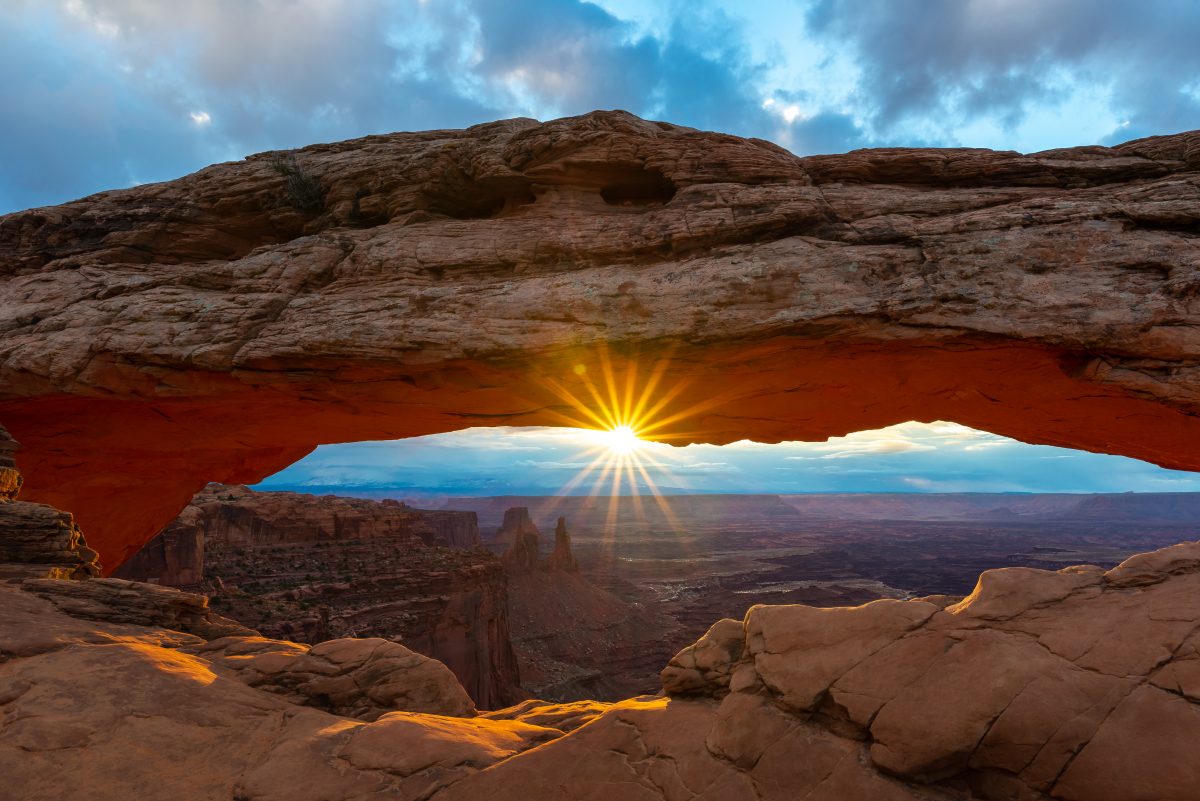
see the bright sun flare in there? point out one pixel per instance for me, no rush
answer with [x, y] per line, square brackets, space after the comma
[622, 421]
[621, 439]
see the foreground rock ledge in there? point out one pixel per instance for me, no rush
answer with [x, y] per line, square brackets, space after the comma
[219, 326]
[1081, 685]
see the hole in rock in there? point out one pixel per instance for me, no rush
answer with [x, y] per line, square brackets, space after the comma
[571, 563]
[468, 199]
[633, 187]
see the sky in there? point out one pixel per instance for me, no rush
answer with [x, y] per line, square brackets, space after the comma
[100, 94]
[910, 457]
[109, 93]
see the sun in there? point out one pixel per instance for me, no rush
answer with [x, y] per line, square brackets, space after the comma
[621, 439]
[624, 426]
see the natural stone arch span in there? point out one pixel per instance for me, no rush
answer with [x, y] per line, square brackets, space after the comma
[220, 326]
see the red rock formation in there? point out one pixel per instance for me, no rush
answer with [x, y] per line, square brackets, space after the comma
[159, 337]
[36, 540]
[1076, 685]
[174, 558]
[235, 515]
[515, 523]
[523, 554]
[10, 477]
[575, 640]
[239, 516]
[455, 529]
[312, 568]
[562, 558]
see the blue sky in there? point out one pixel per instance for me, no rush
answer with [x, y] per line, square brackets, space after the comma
[110, 93]
[107, 93]
[910, 457]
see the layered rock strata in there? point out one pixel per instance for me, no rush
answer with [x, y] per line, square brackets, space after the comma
[314, 568]
[238, 516]
[37, 541]
[207, 329]
[10, 477]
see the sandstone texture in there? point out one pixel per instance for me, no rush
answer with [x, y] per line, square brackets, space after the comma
[1079, 685]
[359, 678]
[37, 541]
[152, 713]
[317, 568]
[217, 328]
[119, 601]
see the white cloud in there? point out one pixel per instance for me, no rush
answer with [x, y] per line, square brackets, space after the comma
[200, 117]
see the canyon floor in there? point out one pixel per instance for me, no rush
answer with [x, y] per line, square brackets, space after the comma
[650, 584]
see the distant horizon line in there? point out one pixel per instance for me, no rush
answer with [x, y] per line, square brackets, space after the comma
[331, 489]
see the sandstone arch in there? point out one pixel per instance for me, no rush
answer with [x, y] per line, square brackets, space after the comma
[214, 328]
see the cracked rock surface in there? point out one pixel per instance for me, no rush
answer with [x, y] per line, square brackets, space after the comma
[1079, 684]
[1076, 685]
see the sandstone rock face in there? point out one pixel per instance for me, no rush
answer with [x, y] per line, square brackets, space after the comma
[119, 601]
[516, 522]
[455, 529]
[1078, 684]
[1083, 688]
[562, 558]
[10, 477]
[174, 558]
[37, 541]
[151, 713]
[523, 554]
[239, 516]
[573, 639]
[316, 568]
[209, 329]
[359, 678]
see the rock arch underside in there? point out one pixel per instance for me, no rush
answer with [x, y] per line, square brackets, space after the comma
[220, 326]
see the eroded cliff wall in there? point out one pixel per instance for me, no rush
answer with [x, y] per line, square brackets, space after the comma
[313, 568]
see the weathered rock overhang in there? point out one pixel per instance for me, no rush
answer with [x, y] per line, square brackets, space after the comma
[220, 326]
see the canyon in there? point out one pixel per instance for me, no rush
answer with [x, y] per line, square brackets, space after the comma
[1079, 684]
[510, 624]
[512, 616]
[208, 329]
[311, 569]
